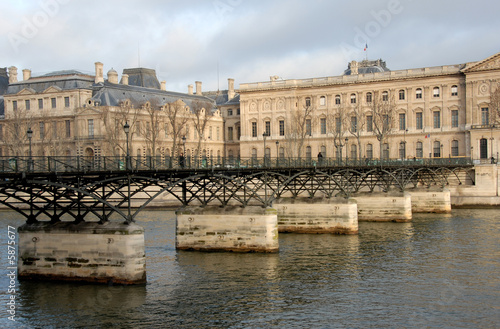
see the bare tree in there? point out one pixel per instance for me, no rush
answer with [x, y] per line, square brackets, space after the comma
[337, 126]
[177, 118]
[202, 114]
[152, 128]
[384, 111]
[15, 129]
[299, 126]
[114, 119]
[357, 124]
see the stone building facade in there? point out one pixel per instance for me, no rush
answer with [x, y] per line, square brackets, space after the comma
[438, 112]
[76, 114]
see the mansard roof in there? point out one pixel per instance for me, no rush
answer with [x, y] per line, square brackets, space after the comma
[221, 97]
[109, 94]
[142, 77]
[65, 80]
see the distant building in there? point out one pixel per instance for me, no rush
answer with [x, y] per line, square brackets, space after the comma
[372, 112]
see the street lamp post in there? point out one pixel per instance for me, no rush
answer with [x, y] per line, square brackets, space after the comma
[265, 160]
[346, 150]
[183, 157]
[277, 151]
[128, 167]
[126, 128]
[404, 141]
[29, 133]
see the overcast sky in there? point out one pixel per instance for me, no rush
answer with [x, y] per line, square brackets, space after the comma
[248, 40]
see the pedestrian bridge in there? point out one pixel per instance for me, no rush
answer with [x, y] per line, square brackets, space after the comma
[80, 188]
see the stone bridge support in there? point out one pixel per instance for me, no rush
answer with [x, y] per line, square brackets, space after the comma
[384, 207]
[317, 215]
[424, 200]
[85, 252]
[249, 229]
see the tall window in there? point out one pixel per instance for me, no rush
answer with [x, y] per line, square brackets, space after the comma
[354, 151]
[385, 96]
[354, 124]
[385, 151]
[308, 127]
[1, 132]
[68, 128]
[66, 101]
[254, 129]
[322, 101]
[454, 90]
[27, 104]
[40, 103]
[338, 125]
[282, 127]
[308, 153]
[14, 105]
[437, 119]
[41, 127]
[454, 148]
[337, 99]
[419, 120]
[402, 121]
[402, 150]
[230, 133]
[369, 151]
[401, 95]
[369, 97]
[53, 102]
[268, 128]
[435, 92]
[419, 150]
[91, 127]
[485, 116]
[254, 154]
[437, 149]
[322, 123]
[454, 118]
[353, 98]
[308, 101]
[418, 93]
[323, 150]
[369, 123]
[282, 152]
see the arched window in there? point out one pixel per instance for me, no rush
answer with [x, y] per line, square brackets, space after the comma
[323, 151]
[385, 151]
[254, 153]
[369, 97]
[419, 151]
[354, 151]
[435, 92]
[282, 152]
[385, 96]
[369, 151]
[437, 149]
[454, 90]
[418, 93]
[308, 101]
[353, 98]
[337, 99]
[308, 153]
[322, 101]
[401, 95]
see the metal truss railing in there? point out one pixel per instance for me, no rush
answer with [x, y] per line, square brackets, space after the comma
[109, 163]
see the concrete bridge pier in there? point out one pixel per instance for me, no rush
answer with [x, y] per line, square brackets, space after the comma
[383, 206]
[317, 215]
[82, 252]
[424, 200]
[237, 229]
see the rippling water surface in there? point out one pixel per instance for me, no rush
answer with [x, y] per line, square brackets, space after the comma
[438, 271]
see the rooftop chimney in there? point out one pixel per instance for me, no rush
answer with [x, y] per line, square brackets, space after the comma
[99, 74]
[12, 74]
[230, 88]
[198, 88]
[125, 79]
[190, 89]
[163, 85]
[26, 74]
[113, 76]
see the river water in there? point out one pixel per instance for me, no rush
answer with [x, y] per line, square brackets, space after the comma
[437, 271]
